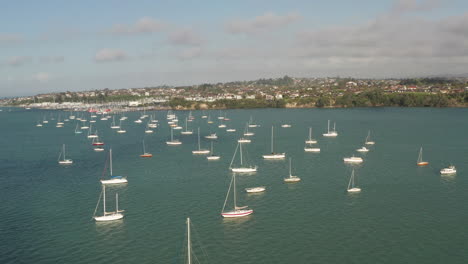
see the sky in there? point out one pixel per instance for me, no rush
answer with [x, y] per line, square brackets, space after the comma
[54, 46]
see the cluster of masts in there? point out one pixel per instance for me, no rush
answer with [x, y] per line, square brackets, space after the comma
[236, 211]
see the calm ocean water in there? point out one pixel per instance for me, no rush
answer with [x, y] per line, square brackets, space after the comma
[404, 214]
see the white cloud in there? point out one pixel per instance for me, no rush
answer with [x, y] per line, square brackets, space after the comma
[106, 55]
[41, 76]
[261, 23]
[143, 25]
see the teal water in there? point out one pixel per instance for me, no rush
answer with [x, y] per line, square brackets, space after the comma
[404, 214]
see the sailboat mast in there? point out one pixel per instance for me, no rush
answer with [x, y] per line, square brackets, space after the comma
[328, 127]
[240, 152]
[271, 139]
[310, 133]
[235, 203]
[172, 135]
[104, 199]
[198, 138]
[116, 202]
[110, 157]
[144, 151]
[290, 167]
[63, 151]
[189, 249]
[211, 147]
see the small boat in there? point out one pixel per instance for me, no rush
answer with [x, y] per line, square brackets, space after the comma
[212, 136]
[362, 149]
[242, 168]
[420, 161]
[108, 216]
[114, 179]
[310, 140]
[222, 126]
[244, 140]
[177, 128]
[173, 142]
[230, 130]
[186, 132]
[351, 187]
[64, 161]
[212, 156]
[368, 141]
[450, 170]
[39, 125]
[113, 125]
[291, 178]
[285, 125]
[255, 189]
[148, 130]
[209, 120]
[247, 133]
[145, 154]
[77, 131]
[121, 130]
[237, 211]
[310, 148]
[274, 155]
[353, 159]
[200, 151]
[98, 149]
[138, 121]
[251, 123]
[330, 133]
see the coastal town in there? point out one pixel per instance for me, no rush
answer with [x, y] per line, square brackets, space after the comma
[285, 92]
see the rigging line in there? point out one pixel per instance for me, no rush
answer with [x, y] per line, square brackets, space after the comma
[227, 195]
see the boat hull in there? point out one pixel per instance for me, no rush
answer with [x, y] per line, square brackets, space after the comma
[423, 163]
[354, 190]
[353, 160]
[275, 156]
[65, 162]
[173, 143]
[255, 189]
[311, 149]
[237, 213]
[292, 179]
[110, 217]
[146, 155]
[213, 157]
[114, 181]
[199, 152]
[244, 170]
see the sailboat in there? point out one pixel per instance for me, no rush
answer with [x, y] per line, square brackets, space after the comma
[173, 142]
[39, 124]
[237, 211]
[186, 132]
[212, 156]
[246, 131]
[231, 130]
[91, 134]
[310, 140]
[351, 187]
[209, 120]
[145, 154]
[121, 130]
[64, 161]
[200, 151]
[274, 155]
[420, 161]
[291, 177]
[368, 141]
[96, 142]
[353, 159]
[148, 130]
[77, 131]
[212, 136]
[113, 179]
[330, 133]
[109, 216]
[251, 123]
[241, 168]
[113, 125]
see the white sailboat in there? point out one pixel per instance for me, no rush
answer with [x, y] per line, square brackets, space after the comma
[113, 125]
[212, 136]
[351, 186]
[186, 132]
[353, 159]
[251, 123]
[244, 140]
[108, 216]
[310, 140]
[173, 142]
[291, 177]
[64, 161]
[148, 130]
[242, 168]
[330, 133]
[212, 156]
[199, 150]
[121, 130]
[237, 211]
[78, 131]
[274, 155]
[368, 140]
[362, 149]
[246, 131]
[114, 179]
[231, 130]
[255, 189]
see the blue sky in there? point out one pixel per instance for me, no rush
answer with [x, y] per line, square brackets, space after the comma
[82, 45]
